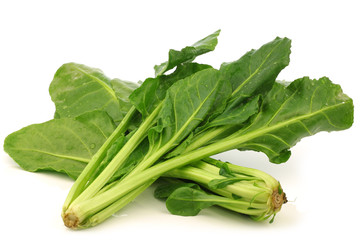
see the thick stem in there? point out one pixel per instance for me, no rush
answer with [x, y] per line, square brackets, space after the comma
[116, 206]
[119, 159]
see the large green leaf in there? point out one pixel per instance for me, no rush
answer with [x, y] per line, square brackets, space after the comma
[77, 89]
[256, 71]
[62, 145]
[186, 105]
[188, 54]
[289, 113]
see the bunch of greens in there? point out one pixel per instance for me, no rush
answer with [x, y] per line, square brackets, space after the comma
[116, 138]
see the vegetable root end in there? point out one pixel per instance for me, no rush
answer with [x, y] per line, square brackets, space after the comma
[71, 220]
[278, 199]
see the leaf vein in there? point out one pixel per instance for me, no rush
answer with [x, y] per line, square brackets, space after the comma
[79, 159]
[281, 108]
[102, 83]
[305, 127]
[256, 71]
[312, 98]
[79, 138]
[278, 138]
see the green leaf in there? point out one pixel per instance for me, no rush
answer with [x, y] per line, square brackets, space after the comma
[289, 113]
[224, 169]
[256, 71]
[238, 115]
[77, 89]
[153, 90]
[188, 54]
[186, 105]
[164, 190]
[226, 120]
[98, 119]
[61, 145]
[186, 201]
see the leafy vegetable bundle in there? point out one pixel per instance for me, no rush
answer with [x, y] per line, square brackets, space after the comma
[116, 138]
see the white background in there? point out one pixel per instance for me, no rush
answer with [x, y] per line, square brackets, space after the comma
[126, 40]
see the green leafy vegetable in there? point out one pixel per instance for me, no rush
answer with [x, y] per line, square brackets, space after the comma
[148, 100]
[126, 136]
[172, 124]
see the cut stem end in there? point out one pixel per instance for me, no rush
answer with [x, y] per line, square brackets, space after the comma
[71, 220]
[278, 199]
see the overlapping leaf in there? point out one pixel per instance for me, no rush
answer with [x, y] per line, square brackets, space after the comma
[77, 89]
[153, 90]
[250, 77]
[186, 105]
[289, 113]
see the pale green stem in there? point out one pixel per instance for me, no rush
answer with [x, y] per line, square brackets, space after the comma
[119, 159]
[116, 206]
[91, 167]
[85, 209]
[89, 207]
[244, 190]
[268, 179]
